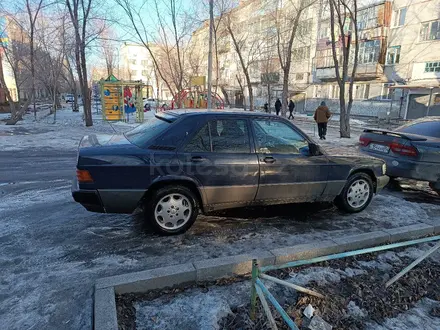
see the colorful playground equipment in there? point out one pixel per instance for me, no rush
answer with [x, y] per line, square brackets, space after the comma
[196, 99]
[120, 98]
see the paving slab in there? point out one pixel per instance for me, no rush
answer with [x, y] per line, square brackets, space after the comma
[362, 241]
[230, 266]
[156, 278]
[105, 310]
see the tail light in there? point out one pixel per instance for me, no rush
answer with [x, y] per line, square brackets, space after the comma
[84, 176]
[403, 149]
[363, 141]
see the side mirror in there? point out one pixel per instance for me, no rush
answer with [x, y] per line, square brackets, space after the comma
[314, 149]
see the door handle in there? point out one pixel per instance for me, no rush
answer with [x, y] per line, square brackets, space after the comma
[197, 159]
[269, 159]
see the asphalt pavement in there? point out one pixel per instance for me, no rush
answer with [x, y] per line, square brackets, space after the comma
[52, 250]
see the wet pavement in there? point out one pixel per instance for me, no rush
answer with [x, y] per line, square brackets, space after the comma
[52, 250]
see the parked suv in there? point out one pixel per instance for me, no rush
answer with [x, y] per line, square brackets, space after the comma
[185, 162]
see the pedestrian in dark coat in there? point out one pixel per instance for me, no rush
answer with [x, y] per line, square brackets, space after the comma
[322, 115]
[266, 107]
[278, 106]
[291, 108]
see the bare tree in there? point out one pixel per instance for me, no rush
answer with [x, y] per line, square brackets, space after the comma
[51, 53]
[343, 16]
[79, 11]
[32, 16]
[16, 55]
[108, 50]
[288, 25]
[247, 45]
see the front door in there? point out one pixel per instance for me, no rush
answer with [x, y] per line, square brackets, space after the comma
[288, 173]
[221, 159]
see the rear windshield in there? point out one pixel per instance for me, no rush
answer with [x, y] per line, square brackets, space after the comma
[426, 128]
[145, 132]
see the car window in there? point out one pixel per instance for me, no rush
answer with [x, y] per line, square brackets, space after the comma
[200, 142]
[224, 135]
[145, 132]
[278, 137]
[426, 128]
[230, 136]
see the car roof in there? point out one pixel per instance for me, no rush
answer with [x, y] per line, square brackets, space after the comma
[175, 113]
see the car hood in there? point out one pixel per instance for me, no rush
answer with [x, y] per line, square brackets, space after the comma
[100, 140]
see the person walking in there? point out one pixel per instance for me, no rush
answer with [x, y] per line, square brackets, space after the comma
[266, 107]
[278, 106]
[291, 108]
[322, 115]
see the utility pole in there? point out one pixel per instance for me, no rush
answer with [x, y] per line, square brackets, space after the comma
[211, 28]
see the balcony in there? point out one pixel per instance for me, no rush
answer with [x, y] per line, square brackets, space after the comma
[368, 71]
[326, 73]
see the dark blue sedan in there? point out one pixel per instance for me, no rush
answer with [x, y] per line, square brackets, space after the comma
[184, 162]
[411, 151]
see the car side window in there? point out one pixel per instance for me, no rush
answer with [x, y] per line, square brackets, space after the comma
[275, 137]
[230, 136]
[200, 142]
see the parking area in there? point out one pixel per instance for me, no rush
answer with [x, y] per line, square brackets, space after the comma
[52, 250]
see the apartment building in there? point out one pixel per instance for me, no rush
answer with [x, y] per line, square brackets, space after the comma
[413, 58]
[369, 90]
[135, 63]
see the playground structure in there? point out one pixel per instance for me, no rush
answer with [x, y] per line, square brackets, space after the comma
[120, 98]
[194, 98]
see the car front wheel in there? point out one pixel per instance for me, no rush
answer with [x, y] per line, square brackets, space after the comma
[357, 193]
[172, 210]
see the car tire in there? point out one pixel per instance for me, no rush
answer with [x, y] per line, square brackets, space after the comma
[357, 193]
[172, 210]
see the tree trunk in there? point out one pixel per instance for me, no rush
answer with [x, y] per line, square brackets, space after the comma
[225, 94]
[268, 97]
[285, 91]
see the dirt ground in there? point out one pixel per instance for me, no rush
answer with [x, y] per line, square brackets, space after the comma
[354, 288]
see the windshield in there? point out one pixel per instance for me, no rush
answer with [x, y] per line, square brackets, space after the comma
[145, 132]
[426, 128]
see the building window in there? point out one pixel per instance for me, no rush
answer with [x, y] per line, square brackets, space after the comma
[304, 27]
[324, 31]
[324, 58]
[399, 17]
[132, 62]
[369, 51]
[393, 55]
[432, 67]
[387, 92]
[367, 18]
[430, 31]
[301, 54]
[133, 73]
[144, 62]
[144, 73]
[299, 76]
[334, 91]
[367, 91]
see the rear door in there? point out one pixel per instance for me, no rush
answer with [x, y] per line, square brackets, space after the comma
[288, 173]
[220, 157]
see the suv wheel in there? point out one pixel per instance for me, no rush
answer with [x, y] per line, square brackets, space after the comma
[357, 193]
[172, 210]
[435, 186]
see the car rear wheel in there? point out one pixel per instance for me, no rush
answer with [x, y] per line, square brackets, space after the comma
[172, 210]
[357, 193]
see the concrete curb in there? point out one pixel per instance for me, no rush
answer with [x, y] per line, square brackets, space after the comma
[158, 278]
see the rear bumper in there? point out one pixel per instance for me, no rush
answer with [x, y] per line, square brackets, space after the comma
[88, 198]
[382, 181]
[410, 169]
